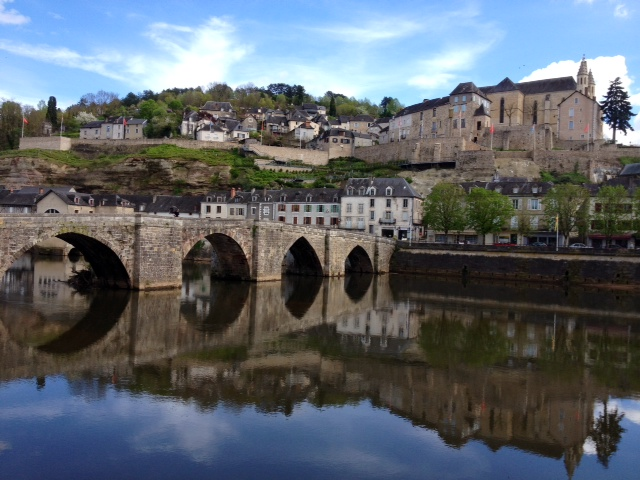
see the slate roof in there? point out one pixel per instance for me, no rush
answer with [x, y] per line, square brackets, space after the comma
[507, 186]
[401, 188]
[559, 84]
[466, 87]
[631, 169]
[165, 203]
[423, 106]
[217, 106]
[96, 124]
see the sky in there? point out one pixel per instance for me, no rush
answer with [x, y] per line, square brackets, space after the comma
[410, 50]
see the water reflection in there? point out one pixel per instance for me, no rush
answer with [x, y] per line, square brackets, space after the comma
[210, 305]
[501, 365]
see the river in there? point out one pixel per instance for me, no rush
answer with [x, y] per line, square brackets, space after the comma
[357, 377]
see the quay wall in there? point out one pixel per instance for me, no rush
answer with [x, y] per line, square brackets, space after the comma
[566, 266]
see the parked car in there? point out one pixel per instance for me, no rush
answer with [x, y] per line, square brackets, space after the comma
[578, 245]
[538, 244]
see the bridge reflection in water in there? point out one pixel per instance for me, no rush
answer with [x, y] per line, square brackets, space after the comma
[500, 364]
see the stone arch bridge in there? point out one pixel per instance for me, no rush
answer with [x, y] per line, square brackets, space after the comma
[144, 252]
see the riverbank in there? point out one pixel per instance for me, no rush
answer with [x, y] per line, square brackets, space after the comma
[619, 269]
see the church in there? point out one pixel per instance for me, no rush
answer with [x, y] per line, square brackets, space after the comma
[557, 112]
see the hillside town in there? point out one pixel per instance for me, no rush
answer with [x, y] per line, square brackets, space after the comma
[556, 121]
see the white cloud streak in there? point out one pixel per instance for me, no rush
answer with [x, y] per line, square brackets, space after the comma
[11, 16]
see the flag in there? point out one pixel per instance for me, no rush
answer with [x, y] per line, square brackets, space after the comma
[586, 129]
[492, 129]
[24, 120]
[557, 220]
[124, 121]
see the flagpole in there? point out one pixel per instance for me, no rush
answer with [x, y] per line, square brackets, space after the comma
[22, 128]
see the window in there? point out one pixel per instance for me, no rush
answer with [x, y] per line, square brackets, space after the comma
[516, 203]
[282, 207]
[576, 101]
[372, 203]
[307, 208]
[372, 215]
[514, 222]
[455, 109]
[241, 211]
[405, 203]
[570, 124]
[295, 220]
[253, 211]
[335, 208]
[463, 123]
[208, 209]
[455, 100]
[307, 220]
[218, 208]
[232, 211]
[265, 210]
[348, 208]
[464, 108]
[361, 208]
[389, 191]
[281, 218]
[319, 208]
[571, 112]
[502, 110]
[319, 220]
[534, 204]
[295, 208]
[464, 98]
[388, 203]
[434, 112]
[455, 123]
[387, 215]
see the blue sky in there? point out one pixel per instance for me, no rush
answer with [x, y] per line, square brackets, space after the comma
[367, 49]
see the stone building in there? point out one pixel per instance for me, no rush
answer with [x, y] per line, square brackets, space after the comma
[507, 115]
[387, 207]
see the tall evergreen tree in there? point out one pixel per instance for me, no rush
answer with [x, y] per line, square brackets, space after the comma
[52, 111]
[616, 108]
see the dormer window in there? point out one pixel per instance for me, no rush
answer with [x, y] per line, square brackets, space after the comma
[208, 199]
[283, 198]
[76, 200]
[350, 190]
[254, 198]
[309, 198]
[534, 189]
[91, 202]
[516, 189]
[361, 191]
[499, 189]
[389, 191]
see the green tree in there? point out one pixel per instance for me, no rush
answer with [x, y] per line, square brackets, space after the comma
[606, 433]
[332, 106]
[612, 210]
[52, 111]
[487, 211]
[10, 125]
[616, 108]
[568, 204]
[444, 208]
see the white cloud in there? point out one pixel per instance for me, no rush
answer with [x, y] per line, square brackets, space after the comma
[190, 55]
[55, 16]
[621, 11]
[63, 57]
[11, 16]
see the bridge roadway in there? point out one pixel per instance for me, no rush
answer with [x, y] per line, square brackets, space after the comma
[145, 252]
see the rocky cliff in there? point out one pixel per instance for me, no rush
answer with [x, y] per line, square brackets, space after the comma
[133, 175]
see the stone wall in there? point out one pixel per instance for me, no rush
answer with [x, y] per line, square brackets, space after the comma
[308, 157]
[524, 264]
[46, 143]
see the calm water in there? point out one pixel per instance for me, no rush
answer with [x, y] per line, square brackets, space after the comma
[363, 377]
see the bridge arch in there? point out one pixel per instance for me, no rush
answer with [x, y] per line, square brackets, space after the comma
[229, 260]
[301, 259]
[100, 252]
[358, 261]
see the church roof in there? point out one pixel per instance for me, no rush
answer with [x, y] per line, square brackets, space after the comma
[537, 86]
[466, 87]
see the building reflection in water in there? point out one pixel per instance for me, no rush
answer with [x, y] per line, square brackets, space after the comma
[505, 365]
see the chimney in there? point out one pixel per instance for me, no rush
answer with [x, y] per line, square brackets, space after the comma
[41, 191]
[233, 192]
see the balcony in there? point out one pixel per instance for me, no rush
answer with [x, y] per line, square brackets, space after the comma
[387, 221]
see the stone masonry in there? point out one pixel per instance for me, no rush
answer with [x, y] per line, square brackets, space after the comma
[142, 252]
